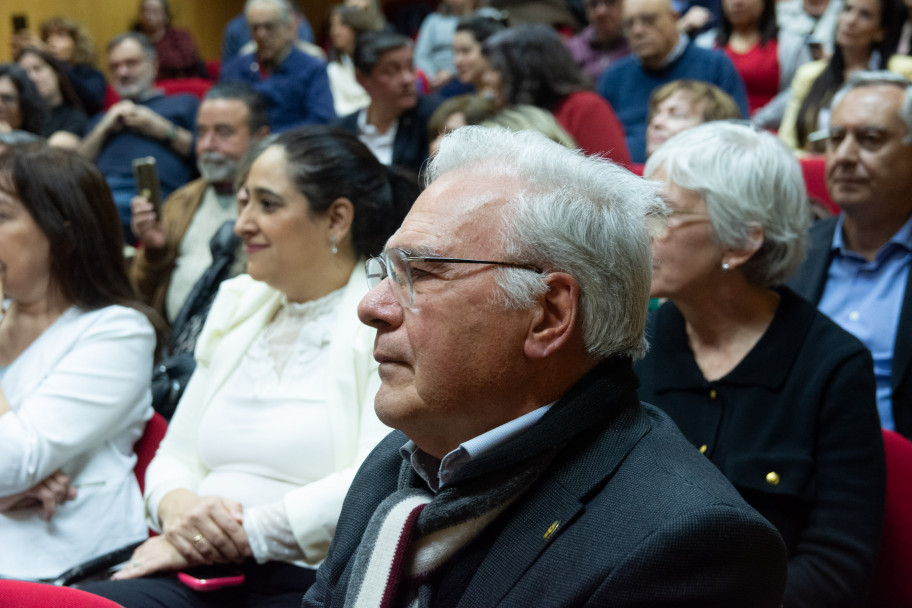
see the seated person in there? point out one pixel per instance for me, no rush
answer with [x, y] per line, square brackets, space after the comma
[394, 125]
[70, 42]
[771, 391]
[509, 307]
[66, 121]
[434, 42]
[529, 64]
[866, 34]
[294, 83]
[177, 54]
[468, 59]
[346, 23]
[602, 42]
[659, 54]
[682, 104]
[175, 250]
[76, 356]
[279, 412]
[22, 108]
[144, 123]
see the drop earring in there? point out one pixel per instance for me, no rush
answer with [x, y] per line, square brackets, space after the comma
[332, 245]
[725, 267]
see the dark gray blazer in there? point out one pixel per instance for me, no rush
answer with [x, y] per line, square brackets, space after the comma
[809, 283]
[410, 148]
[641, 517]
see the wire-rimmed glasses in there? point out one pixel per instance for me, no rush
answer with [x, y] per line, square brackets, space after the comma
[395, 264]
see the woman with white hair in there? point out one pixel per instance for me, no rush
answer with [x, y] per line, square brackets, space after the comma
[775, 394]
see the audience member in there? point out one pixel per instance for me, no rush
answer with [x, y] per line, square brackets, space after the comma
[660, 55]
[346, 23]
[458, 112]
[767, 64]
[279, 412]
[810, 23]
[21, 105]
[70, 42]
[144, 123]
[294, 83]
[394, 125]
[775, 394]
[75, 363]
[175, 48]
[66, 121]
[468, 58]
[237, 35]
[682, 104]
[866, 35]
[531, 65]
[434, 44]
[518, 421]
[602, 42]
[175, 250]
[858, 266]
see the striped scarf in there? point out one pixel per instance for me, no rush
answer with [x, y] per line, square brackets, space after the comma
[413, 533]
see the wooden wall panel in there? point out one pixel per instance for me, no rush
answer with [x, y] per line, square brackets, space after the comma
[106, 18]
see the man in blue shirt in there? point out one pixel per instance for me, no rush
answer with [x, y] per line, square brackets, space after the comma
[659, 55]
[144, 123]
[294, 84]
[859, 262]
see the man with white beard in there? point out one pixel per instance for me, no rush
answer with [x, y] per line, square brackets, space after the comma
[175, 251]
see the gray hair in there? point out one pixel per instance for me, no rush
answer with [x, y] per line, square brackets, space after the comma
[748, 178]
[141, 39]
[873, 78]
[286, 11]
[581, 215]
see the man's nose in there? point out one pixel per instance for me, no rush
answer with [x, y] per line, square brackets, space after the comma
[380, 308]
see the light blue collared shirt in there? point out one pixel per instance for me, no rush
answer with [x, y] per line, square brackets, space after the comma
[865, 298]
[439, 473]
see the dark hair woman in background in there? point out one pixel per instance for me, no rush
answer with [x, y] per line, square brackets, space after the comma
[76, 354]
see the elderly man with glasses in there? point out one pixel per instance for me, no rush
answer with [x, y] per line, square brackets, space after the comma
[509, 308]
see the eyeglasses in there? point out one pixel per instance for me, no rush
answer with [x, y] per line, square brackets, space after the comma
[395, 264]
[658, 226]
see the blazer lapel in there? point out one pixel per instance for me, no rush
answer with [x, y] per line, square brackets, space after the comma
[554, 503]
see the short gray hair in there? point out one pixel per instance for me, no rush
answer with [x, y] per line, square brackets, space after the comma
[873, 78]
[747, 178]
[141, 39]
[286, 11]
[581, 215]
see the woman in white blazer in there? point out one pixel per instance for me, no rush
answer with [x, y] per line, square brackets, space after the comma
[75, 368]
[279, 412]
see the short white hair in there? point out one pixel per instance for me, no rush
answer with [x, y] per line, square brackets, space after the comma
[286, 11]
[873, 78]
[747, 178]
[581, 215]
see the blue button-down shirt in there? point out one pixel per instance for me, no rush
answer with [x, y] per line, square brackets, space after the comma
[438, 473]
[865, 298]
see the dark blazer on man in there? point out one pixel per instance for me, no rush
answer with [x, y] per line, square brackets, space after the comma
[810, 281]
[410, 148]
[627, 514]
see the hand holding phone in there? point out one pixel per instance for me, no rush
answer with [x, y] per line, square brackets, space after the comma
[147, 186]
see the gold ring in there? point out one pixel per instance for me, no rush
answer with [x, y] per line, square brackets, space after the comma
[197, 538]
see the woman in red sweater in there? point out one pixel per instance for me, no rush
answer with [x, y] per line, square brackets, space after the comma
[529, 64]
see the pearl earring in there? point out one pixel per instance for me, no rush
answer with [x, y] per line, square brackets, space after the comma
[332, 245]
[725, 267]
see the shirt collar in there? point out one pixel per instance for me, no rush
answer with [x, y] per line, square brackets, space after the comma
[902, 239]
[673, 55]
[438, 473]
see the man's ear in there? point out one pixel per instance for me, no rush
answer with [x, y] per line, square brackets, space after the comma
[555, 318]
